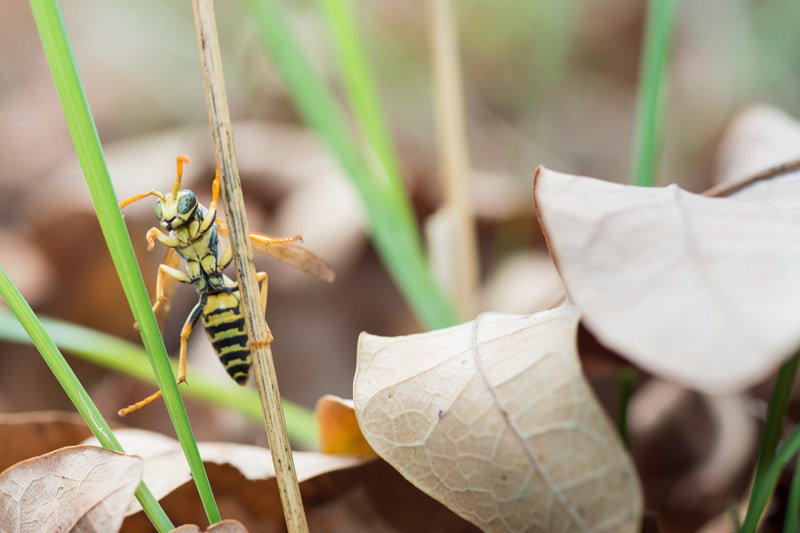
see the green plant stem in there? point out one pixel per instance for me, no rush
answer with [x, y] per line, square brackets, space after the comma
[90, 155]
[625, 380]
[130, 359]
[763, 491]
[75, 391]
[778, 403]
[792, 522]
[650, 95]
[361, 91]
[388, 209]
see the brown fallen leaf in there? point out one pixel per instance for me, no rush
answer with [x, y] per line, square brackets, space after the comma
[340, 493]
[494, 419]
[702, 291]
[78, 488]
[695, 453]
[339, 433]
[27, 435]
[165, 467]
[226, 526]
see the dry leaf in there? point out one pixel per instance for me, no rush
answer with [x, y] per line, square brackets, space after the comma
[339, 433]
[524, 283]
[165, 467]
[340, 494]
[81, 488]
[27, 435]
[759, 139]
[703, 291]
[226, 526]
[494, 419]
[694, 453]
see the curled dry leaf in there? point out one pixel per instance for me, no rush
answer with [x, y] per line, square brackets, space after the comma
[494, 419]
[165, 467]
[339, 433]
[226, 526]
[27, 435]
[341, 494]
[702, 291]
[759, 140]
[78, 488]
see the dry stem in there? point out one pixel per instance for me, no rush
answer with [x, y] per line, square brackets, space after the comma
[257, 328]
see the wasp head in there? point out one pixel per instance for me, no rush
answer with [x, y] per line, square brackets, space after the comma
[176, 210]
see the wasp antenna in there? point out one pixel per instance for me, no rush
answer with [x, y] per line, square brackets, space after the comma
[138, 197]
[182, 159]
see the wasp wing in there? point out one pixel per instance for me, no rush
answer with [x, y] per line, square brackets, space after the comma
[288, 252]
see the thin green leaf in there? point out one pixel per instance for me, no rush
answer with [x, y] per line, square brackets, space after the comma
[650, 95]
[90, 155]
[773, 428]
[128, 358]
[388, 209]
[77, 394]
[763, 491]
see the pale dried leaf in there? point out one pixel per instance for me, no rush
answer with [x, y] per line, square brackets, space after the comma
[703, 291]
[693, 451]
[226, 526]
[165, 467]
[494, 419]
[759, 139]
[80, 488]
[524, 283]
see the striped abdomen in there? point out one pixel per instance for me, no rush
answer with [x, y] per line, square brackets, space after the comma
[222, 317]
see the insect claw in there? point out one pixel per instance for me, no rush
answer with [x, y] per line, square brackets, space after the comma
[265, 342]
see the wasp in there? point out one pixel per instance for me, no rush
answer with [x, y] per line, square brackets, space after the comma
[193, 235]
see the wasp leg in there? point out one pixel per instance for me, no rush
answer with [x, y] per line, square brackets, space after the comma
[211, 216]
[163, 271]
[227, 255]
[262, 278]
[266, 240]
[191, 320]
[163, 238]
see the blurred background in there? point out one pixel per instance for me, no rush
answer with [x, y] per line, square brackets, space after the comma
[546, 82]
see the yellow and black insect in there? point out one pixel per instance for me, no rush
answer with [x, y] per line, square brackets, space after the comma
[194, 233]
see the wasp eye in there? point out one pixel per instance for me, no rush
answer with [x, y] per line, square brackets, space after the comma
[158, 209]
[186, 202]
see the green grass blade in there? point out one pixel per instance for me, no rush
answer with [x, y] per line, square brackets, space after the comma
[388, 209]
[763, 491]
[361, 90]
[650, 96]
[81, 126]
[773, 427]
[128, 358]
[792, 522]
[624, 392]
[75, 391]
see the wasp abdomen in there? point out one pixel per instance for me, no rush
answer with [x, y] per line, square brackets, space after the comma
[224, 323]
